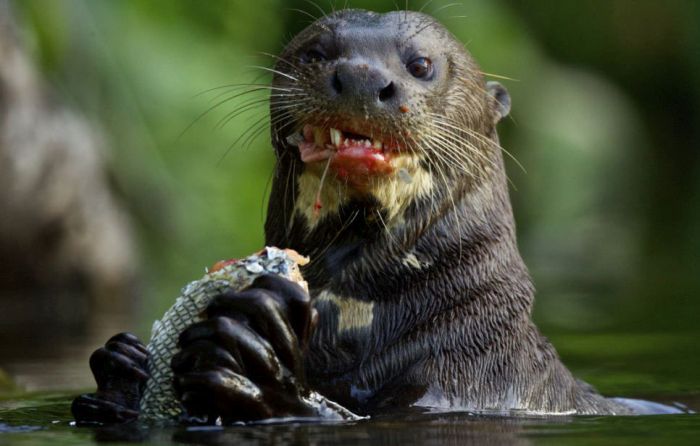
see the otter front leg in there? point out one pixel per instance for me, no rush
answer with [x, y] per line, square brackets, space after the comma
[245, 361]
[120, 371]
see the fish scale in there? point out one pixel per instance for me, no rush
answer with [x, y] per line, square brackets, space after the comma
[159, 402]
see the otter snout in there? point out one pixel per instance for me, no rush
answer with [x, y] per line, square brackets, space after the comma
[361, 83]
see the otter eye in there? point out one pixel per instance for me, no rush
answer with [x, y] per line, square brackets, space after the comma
[313, 56]
[420, 67]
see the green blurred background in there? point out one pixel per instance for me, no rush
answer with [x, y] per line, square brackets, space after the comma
[606, 98]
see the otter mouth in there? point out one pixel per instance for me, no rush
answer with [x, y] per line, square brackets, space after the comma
[352, 156]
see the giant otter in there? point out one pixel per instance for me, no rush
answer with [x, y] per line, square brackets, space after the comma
[390, 178]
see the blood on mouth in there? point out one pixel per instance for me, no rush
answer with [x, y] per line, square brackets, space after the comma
[352, 157]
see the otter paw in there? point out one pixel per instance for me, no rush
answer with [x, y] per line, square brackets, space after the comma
[244, 362]
[120, 371]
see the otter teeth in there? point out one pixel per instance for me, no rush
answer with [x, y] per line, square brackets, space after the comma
[336, 137]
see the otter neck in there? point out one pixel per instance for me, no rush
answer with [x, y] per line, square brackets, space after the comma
[376, 290]
[353, 254]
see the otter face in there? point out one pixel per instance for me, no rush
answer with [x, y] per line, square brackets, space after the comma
[377, 105]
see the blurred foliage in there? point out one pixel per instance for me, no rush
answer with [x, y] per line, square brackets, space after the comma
[605, 120]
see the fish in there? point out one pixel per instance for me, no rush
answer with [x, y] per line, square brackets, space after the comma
[159, 401]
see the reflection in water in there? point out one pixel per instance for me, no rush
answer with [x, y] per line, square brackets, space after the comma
[50, 420]
[47, 356]
[452, 429]
[6, 428]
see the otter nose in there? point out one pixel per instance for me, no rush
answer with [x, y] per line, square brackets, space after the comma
[361, 82]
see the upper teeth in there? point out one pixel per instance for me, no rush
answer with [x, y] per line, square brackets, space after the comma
[336, 136]
[337, 140]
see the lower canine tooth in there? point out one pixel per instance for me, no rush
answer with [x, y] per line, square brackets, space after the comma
[336, 136]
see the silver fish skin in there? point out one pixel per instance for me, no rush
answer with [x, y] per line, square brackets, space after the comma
[159, 402]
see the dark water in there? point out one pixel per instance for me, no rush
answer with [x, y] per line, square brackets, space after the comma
[45, 419]
[660, 367]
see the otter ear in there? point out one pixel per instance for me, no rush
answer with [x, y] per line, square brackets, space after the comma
[500, 94]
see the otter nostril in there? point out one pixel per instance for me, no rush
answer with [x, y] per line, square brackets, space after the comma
[387, 92]
[335, 82]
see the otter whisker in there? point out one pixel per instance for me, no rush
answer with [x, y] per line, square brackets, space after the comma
[282, 121]
[283, 103]
[272, 70]
[256, 127]
[228, 92]
[420, 30]
[425, 5]
[498, 76]
[306, 13]
[392, 239]
[255, 86]
[317, 203]
[443, 143]
[291, 163]
[462, 143]
[346, 224]
[252, 104]
[203, 114]
[447, 163]
[483, 139]
[280, 115]
[289, 217]
[253, 130]
[434, 199]
[260, 128]
[497, 146]
[266, 192]
[451, 127]
[316, 5]
[293, 65]
[219, 104]
[444, 7]
[490, 142]
[450, 191]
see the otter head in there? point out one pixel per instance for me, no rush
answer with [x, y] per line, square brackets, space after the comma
[387, 109]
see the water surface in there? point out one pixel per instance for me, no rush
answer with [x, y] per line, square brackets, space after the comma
[44, 419]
